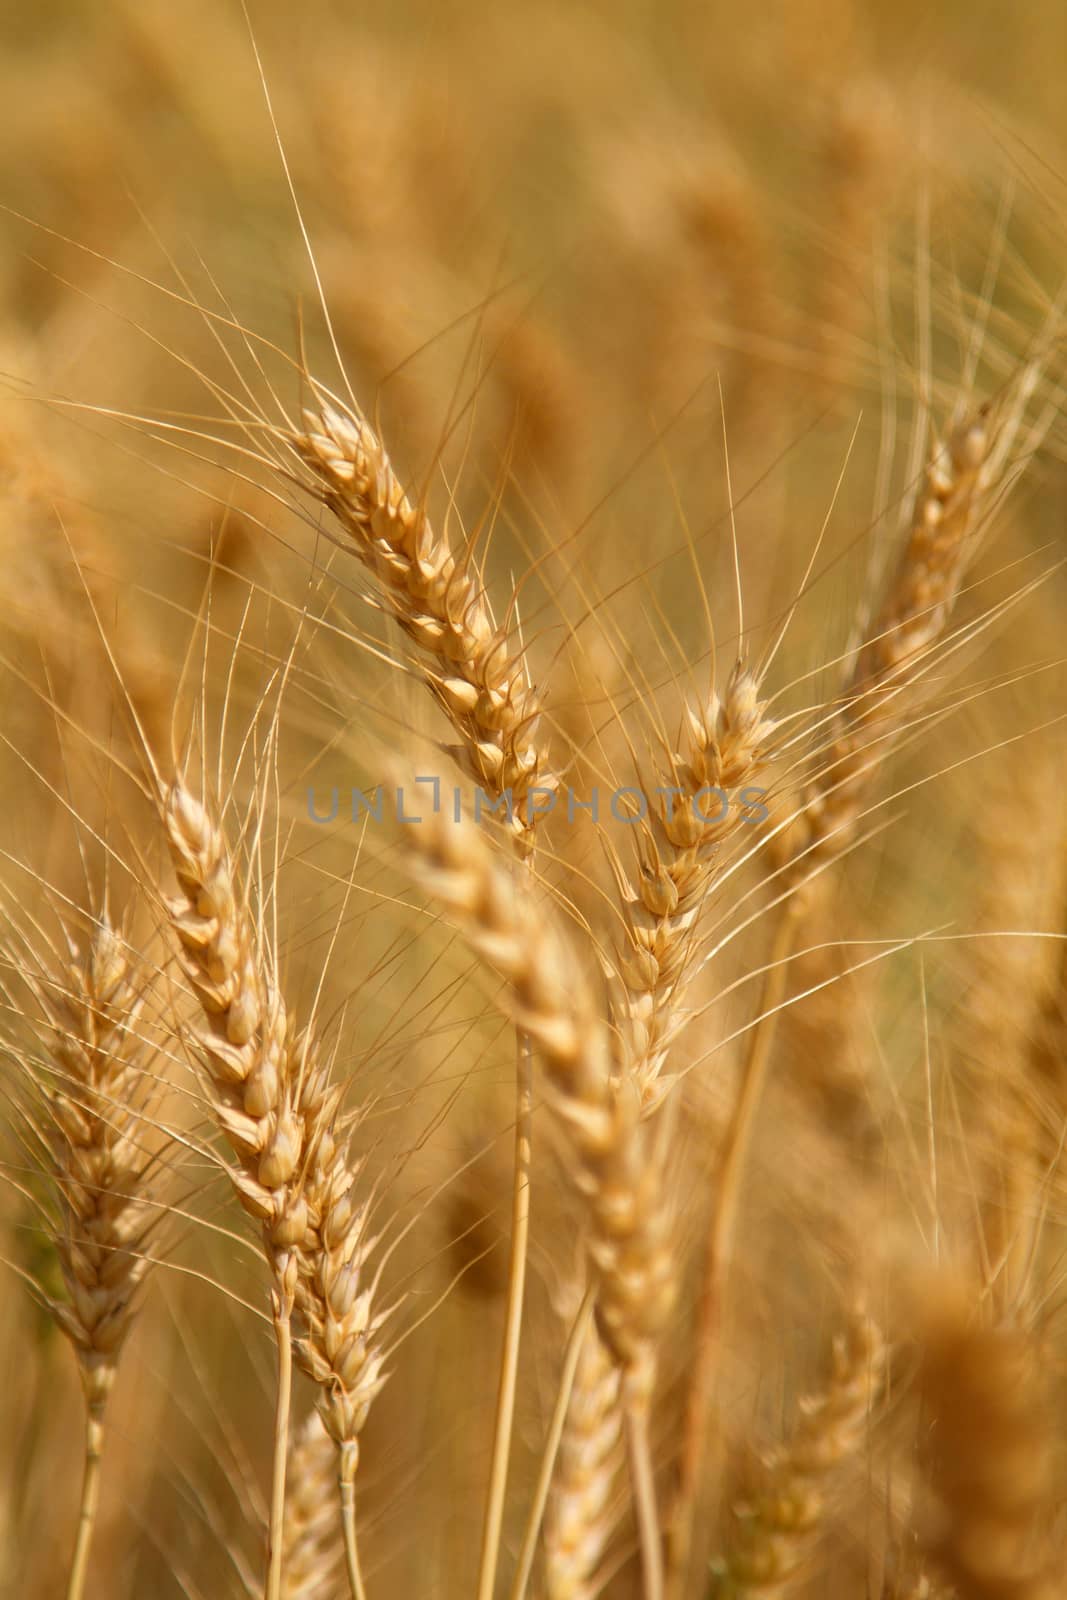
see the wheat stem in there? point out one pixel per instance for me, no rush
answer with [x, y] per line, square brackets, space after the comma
[644, 1490]
[348, 1462]
[90, 1499]
[719, 1246]
[284, 1344]
[509, 1364]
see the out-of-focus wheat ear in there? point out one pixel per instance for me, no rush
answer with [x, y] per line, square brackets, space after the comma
[439, 601]
[987, 1451]
[312, 1545]
[695, 810]
[864, 158]
[961, 475]
[578, 1518]
[996, 1034]
[776, 1528]
[92, 1100]
[617, 1157]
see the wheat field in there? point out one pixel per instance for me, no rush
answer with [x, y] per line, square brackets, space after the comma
[533, 871]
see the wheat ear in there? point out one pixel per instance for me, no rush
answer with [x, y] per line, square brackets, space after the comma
[692, 814]
[617, 1170]
[617, 1157]
[94, 1094]
[946, 520]
[294, 1174]
[441, 605]
[988, 1458]
[776, 1529]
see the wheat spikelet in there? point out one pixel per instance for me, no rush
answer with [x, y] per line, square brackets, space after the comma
[441, 606]
[618, 1169]
[678, 852]
[776, 1529]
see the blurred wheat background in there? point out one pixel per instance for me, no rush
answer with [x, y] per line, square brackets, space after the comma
[684, 326]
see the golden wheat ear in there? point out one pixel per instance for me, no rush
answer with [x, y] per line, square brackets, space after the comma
[961, 479]
[270, 1095]
[617, 1157]
[691, 817]
[439, 602]
[90, 1088]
